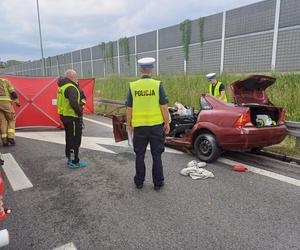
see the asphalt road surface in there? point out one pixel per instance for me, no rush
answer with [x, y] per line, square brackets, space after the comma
[98, 207]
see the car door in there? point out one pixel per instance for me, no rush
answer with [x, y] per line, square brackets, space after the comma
[119, 127]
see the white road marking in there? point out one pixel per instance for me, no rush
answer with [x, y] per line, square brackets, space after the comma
[124, 144]
[69, 246]
[263, 172]
[93, 143]
[18, 180]
[59, 138]
[111, 141]
[4, 238]
[97, 122]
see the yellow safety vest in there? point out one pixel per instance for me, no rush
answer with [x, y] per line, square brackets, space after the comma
[217, 91]
[146, 108]
[63, 104]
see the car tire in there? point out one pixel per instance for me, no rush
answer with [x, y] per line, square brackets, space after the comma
[206, 147]
[255, 150]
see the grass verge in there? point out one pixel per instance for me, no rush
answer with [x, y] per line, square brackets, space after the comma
[286, 147]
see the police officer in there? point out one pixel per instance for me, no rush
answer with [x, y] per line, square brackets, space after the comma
[8, 95]
[216, 88]
[147, 117]
[70, 109]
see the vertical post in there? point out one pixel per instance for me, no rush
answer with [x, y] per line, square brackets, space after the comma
[104, 69]
[92, 65]
[81, 72]
[223, 42]
[118, 50]
[157, 52]
[57, 65]
[275, 36]
[72, 60]
[184, 66]
[41, 41]
[46, 69]
[135, 56]
[297, 145]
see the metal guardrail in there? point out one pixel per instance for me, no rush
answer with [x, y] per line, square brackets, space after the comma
[109, 102]
[294, 130]
[293, 127]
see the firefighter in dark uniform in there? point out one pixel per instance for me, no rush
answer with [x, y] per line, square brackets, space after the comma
[8, 95]
[70, 109]
[147, 117]
[216, 88]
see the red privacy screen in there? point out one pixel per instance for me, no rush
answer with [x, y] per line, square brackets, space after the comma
[37, 97]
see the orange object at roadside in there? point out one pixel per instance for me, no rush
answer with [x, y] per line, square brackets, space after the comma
[2, 211]
[239, 168]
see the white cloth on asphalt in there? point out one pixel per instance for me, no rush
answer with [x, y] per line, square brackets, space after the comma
[196, 171]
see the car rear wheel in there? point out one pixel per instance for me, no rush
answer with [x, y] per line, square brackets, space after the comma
[255, 150]
[206, 147]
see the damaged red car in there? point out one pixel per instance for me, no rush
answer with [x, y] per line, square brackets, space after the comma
[250, 123]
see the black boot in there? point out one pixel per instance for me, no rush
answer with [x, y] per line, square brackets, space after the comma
[11, 141]
[4, 142]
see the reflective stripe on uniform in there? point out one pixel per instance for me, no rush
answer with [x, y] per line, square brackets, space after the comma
[11, 130]
[5, 98]
[74, 127]
[3, 135]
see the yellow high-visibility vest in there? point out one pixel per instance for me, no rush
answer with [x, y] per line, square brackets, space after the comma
[146, 108]
[63, 104]
[217, 91]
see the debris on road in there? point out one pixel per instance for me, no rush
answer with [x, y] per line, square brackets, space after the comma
[239, 168]
[196, 171]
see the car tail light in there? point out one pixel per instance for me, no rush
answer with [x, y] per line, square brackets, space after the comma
[281, 117]
[244, 121]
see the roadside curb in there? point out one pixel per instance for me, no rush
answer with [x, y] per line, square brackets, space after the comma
[280, 157]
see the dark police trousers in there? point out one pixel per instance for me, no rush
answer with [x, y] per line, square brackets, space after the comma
[141, 137]
[73, 130]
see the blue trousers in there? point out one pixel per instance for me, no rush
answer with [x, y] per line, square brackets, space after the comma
[141, 137]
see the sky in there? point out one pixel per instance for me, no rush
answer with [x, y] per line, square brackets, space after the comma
[68, 25]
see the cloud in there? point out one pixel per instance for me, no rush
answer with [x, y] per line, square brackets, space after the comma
[68, 25]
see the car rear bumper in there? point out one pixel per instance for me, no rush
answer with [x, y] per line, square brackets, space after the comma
[247, 138]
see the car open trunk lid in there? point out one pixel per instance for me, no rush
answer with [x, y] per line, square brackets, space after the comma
[252, 90]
